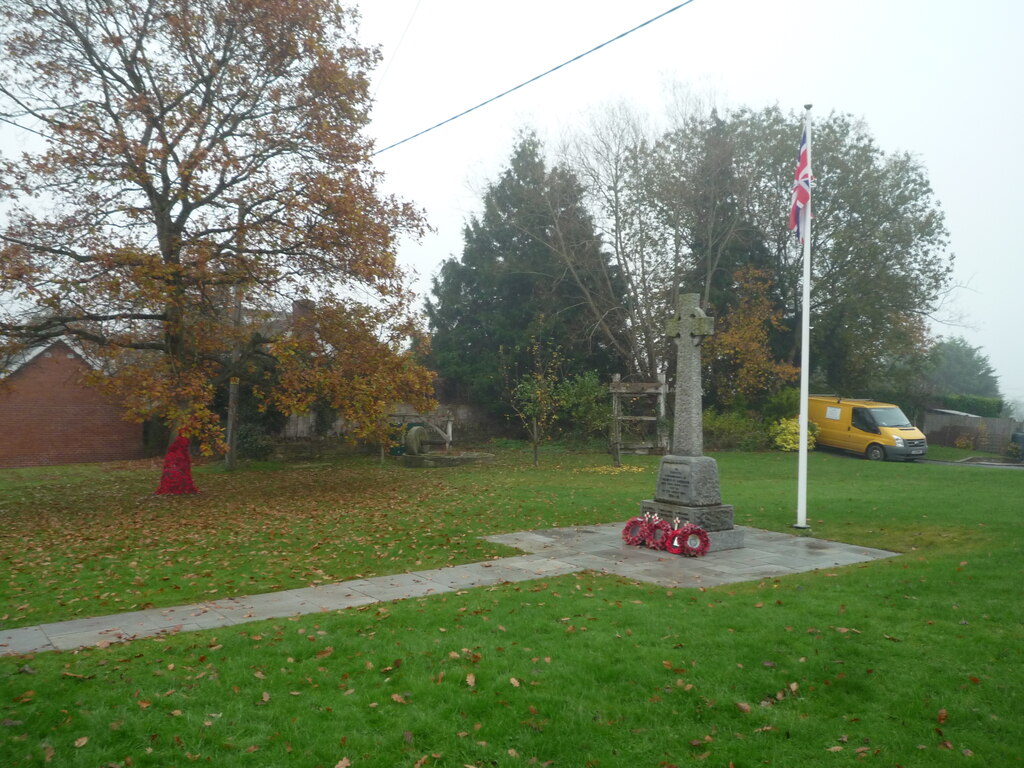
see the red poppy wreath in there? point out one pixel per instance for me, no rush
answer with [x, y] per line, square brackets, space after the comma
[690, 540]
[634, 532]
[658, 532]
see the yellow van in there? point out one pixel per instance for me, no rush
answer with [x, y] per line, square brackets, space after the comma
[877, 431]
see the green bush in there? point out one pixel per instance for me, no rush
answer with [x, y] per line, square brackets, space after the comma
[584, 406]
[784, 404]
[732, 431]
[992, 407]
[253, 442]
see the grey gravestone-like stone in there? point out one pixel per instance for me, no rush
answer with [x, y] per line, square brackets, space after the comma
[688, 489]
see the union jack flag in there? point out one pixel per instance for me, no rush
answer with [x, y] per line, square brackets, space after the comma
[802, 186]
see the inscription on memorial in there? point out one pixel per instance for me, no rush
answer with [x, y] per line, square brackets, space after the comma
[673, 483]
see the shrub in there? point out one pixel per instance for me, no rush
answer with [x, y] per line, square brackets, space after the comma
[785, 434]
[733, 431]
[254, 442]
[584, 405]
[784, 404]
[979, 406]
[965, 441]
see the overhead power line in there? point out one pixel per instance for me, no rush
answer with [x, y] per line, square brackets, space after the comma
[535, 79]
[398, 47]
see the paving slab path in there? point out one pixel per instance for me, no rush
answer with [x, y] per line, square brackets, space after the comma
[551, 552]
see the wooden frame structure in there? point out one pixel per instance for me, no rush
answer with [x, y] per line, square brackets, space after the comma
[658, 390]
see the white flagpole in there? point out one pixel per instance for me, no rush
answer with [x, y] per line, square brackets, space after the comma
[805, 345]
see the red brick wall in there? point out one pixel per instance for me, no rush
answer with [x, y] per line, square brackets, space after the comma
[47, 416]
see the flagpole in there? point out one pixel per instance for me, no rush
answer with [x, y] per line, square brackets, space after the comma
[805, 344]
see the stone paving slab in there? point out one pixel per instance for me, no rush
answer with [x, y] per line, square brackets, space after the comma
[24, 640]
[203, 616]
[550, 553]
[340, 596]
[397, 587]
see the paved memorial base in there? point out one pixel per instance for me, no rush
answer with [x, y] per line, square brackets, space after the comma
[552, 552]
[712, 519]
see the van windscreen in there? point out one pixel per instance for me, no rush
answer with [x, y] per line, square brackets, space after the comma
[890, 417]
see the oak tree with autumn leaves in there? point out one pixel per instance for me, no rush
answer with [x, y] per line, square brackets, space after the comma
[742, 365]
[188, 169]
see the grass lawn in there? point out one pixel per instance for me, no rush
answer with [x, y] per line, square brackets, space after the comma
[909, 661]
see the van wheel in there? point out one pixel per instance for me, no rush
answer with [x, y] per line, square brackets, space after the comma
[875, 452]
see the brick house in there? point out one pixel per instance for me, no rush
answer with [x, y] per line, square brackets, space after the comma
[48, 416]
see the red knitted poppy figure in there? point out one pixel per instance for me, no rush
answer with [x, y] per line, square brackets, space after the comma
[177, 474]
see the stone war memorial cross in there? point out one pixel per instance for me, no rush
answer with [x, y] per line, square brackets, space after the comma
[688, 488]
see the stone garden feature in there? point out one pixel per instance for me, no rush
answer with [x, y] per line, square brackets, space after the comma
[417, 451]
[688, 489]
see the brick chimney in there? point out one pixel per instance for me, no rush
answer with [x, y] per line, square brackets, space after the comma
[302, 320]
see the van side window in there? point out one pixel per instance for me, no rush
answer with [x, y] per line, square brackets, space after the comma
[861, 419]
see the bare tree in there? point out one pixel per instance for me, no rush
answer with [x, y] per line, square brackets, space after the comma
[611, 160]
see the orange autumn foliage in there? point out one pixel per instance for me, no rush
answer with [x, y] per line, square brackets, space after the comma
[739, 353]
[195, 168]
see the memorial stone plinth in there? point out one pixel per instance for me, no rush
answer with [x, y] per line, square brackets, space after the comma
[688, 489]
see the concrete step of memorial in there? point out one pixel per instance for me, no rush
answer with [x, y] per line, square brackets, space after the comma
[717, 517]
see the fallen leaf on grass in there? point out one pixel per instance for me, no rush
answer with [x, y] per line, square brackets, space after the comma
[514, 681]
[742, 706]
[81, 741]
[470, 679]
[398, 698]
[343, 763]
